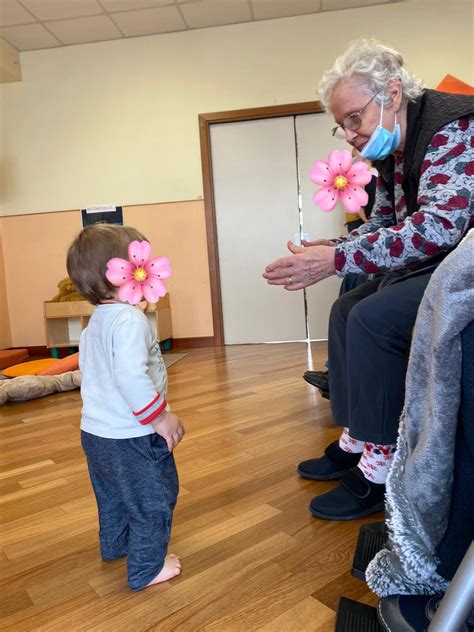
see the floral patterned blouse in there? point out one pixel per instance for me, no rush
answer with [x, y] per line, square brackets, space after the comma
[391, 239]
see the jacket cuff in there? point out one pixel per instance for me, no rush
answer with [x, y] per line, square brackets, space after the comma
[340, 261]
[151, 411]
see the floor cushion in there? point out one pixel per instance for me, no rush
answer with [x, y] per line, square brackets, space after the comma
[8, 357]
[30, 386]
[69, 363]
[33, 367]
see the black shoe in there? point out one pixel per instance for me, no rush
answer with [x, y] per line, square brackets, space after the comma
[334, 464]
[354, 497]
[320, 379]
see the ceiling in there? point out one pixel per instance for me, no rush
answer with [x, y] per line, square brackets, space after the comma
[37, 24]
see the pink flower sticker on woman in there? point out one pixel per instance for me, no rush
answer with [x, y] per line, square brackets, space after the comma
[140, 277]
[341, 179]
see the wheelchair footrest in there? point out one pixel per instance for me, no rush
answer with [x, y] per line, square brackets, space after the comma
[372, 538]
[353, 616]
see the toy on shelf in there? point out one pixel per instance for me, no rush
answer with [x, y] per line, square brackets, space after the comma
[67, 292]
[341, 179]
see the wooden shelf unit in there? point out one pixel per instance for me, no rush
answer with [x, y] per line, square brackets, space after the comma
[64, 322]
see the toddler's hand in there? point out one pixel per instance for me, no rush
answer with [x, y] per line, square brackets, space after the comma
[170, 428]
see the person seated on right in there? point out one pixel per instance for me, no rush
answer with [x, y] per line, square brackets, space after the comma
[420, 142]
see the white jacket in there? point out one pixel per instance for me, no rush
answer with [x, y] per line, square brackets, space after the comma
[124, 378]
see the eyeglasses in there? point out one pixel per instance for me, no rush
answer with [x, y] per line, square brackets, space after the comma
[352, 122]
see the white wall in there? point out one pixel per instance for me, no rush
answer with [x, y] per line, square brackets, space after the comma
[117, 121]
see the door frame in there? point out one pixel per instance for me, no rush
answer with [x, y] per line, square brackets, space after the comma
[205, 122]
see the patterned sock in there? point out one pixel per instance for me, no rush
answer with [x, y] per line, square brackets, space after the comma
[376, 460]
[348, 444]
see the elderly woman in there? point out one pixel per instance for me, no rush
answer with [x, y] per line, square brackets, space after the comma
[421, 143]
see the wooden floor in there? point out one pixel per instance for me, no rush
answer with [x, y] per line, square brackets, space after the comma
[253, 556]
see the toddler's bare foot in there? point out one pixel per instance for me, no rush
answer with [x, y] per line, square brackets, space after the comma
[171, 568]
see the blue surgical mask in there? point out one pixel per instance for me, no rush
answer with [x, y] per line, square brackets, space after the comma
[382, 142]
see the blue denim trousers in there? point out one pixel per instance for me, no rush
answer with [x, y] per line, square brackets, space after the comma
[136, 486]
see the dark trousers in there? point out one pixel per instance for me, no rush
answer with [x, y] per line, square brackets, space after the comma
[369, 335]
[351, 281]
[136, 485]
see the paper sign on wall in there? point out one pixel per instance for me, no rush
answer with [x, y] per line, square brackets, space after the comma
[105, 214]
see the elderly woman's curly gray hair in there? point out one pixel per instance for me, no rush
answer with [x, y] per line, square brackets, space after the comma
[371, 65]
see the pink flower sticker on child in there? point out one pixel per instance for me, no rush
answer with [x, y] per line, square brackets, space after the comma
[341, 179]
[140, 277]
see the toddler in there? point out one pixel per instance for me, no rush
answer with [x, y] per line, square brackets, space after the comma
[127, 430]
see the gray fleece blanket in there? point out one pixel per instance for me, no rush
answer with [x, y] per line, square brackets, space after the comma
[420, 480]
